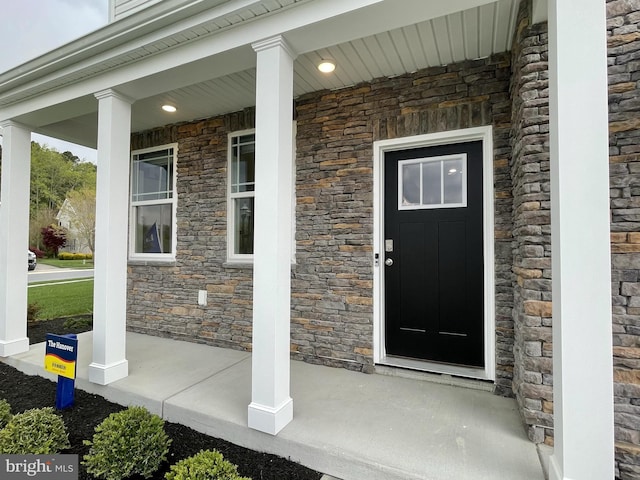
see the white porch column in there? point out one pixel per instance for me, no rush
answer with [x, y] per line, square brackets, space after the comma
[14, 237]
[271, 406]
[582, 341]
[112, 211]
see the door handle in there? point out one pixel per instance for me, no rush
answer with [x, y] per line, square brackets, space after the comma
[388, 262]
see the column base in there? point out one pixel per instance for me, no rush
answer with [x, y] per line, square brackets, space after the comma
[555, 472]
[105, 374]
[270, 420]
[13, 347]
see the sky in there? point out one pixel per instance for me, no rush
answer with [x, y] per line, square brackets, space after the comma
[30, 28]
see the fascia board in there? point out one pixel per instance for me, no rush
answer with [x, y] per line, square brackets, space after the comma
[90, 48]
[125, 36]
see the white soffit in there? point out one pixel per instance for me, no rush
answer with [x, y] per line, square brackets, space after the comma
[204, 89]
[467, 35]
[475, 33]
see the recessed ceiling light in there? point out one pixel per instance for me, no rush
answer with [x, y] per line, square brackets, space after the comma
[326, 66]
[169, 108]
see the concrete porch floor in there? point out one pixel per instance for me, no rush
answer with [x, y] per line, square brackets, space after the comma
[348, 425]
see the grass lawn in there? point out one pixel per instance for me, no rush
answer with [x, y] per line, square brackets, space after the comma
[62, 299]
[54, 262]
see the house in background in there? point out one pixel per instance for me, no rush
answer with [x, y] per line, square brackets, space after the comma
[65, 218]
[399, 212]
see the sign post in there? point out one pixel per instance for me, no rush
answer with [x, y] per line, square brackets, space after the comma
[60, 357]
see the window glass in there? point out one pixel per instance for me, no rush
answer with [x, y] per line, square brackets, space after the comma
[244, 208]
[243, 164]
[153, 204]
[152, 176]
[431, 176]
[434, 182]
[153, 228]
[452, 181]
[411, 184]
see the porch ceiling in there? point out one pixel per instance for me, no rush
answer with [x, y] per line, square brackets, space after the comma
[474, 33]
[373, 41]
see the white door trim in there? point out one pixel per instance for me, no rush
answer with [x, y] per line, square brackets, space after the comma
[484, 134]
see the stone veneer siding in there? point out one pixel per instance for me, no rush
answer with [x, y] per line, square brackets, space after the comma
[624, 170]
[163, 298]
[332, 286]
[332, 280]
[532, 383]
[530, 171]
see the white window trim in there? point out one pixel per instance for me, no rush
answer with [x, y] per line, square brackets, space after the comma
[247, 259]
[485, 134]
[154, 257]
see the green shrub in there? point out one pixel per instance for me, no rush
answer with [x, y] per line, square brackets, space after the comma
[5, 412]
[32, 312]
[126, 443]
[74, 256]
[78, 322]
[38, 431]
[204, 465]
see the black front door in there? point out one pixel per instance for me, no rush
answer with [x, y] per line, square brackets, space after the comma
[433, 254]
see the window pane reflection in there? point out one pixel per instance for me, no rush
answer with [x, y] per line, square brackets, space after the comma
[152, 176]
[153, 228]
[244, 208]
[452, 173]
[243, 164]
[411, 184]
[431, 183]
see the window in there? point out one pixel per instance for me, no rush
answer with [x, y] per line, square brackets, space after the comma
[153, 203]
[437, 182]
[241, 195]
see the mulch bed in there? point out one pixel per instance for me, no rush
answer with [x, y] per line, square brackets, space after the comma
[24, 392]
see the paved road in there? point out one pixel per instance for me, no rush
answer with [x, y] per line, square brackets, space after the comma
[45, 273]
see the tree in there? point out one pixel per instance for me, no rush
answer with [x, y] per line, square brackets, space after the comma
[54, 238]
[70, 156]
[54, 174]
[80, 208]
[37, 221]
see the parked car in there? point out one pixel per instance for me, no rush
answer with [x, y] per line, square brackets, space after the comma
[32, 262]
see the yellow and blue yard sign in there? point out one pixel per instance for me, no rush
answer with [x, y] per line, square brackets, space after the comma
[61, 355]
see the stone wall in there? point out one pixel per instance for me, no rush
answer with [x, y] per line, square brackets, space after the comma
[532, 227]
[624, 167]
[332, 287]
[332, 280]
[163, 299]
[530, 172]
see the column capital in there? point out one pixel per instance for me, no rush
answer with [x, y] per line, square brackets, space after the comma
[13, 123]
[277, 41]
[109, 92]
